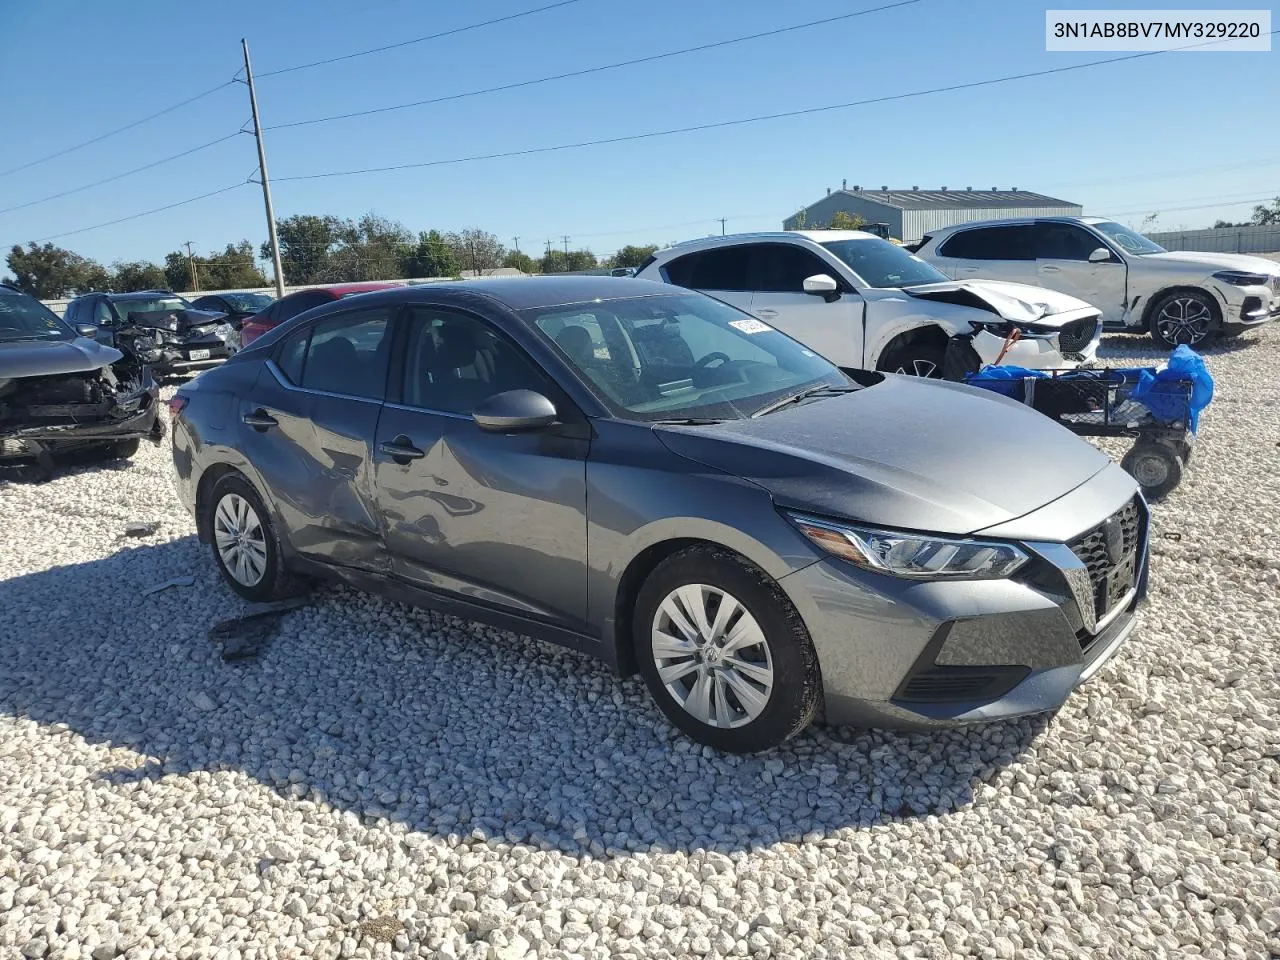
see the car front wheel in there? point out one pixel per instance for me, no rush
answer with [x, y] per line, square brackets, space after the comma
[245, 547]
[918, 359]
[1184, 317]
[724, 653]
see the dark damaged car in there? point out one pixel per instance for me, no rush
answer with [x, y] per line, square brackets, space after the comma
[63, 391]
[161, 328]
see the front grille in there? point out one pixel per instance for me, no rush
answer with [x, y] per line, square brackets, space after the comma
[1275, 285]
[958, 684]
[1110, 553]
[1077, 335]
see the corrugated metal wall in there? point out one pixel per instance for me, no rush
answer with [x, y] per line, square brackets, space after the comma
[1223, 240]
[818, 215]
[916, 223]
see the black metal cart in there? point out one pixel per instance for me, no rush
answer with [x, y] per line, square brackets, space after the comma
[1148, 405]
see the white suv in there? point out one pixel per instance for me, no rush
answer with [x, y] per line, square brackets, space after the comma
[1184, 297]
[864, 303]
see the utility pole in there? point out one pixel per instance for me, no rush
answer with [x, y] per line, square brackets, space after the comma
[191, 266]
[566, 248]
[722, 220]
[517, 242]
[262, 169]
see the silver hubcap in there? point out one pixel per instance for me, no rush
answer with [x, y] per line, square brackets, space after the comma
[919, 368]
[712, 656]
[240, 539]
[1151, 471]
[1184, 320]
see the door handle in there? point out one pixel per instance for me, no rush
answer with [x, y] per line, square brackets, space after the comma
[766, 314]
[401, 450]
[1049, 268]
[260, 420]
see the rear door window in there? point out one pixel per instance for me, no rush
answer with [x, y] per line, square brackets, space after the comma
[1013, 242]
[348, 354]
[724, 268]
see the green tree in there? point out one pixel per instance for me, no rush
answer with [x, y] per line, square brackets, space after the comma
[520, 261]
[802, 218]
[433, 257]
[137, 275]
[233, 267]
[306, 244]
[845, 221]
[557, 261]
[477, 250]
[1264, 215]
[50, 272]
[632, 256]
[177, 271]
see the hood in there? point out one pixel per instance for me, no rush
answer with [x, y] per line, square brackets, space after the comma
[1213, 262]
[44, 358]
[1018, 302]
[909, 453]
[176, 320]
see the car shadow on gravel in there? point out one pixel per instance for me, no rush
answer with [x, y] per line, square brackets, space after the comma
[448, 727]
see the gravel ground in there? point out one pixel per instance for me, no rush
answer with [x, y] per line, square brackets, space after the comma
[386, 781]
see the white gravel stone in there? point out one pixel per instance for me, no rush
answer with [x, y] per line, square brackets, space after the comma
[393, 782]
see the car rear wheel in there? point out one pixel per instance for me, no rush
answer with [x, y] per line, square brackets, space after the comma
[1184, 317]
[724, 653]
[122, 449]
[917, 359]
[245, 547]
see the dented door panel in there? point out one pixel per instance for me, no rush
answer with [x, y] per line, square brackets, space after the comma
[499, 518]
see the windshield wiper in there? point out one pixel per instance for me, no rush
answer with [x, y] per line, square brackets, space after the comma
[812, 394]
[688, 421]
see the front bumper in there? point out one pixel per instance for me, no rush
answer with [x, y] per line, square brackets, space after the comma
[910, 655]
[1244, 308]
[29, 443]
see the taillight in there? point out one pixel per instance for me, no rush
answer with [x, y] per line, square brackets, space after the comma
[251, 331]
[177, 403]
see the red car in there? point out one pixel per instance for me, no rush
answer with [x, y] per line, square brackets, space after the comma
[295, 303]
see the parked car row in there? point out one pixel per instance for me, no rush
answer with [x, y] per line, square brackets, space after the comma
[672, 484]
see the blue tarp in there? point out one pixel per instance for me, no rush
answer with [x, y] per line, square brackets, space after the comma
[1158, 390]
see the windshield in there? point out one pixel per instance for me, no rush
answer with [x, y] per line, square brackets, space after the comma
[248, 302]
[681, 357]
[26, 318]
[1127, 240]
[149, 305]
[883, 264]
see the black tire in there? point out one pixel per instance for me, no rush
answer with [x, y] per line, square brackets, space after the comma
[915, 359]
[1199, 315]
[122, 449]
[1156, 466]
[796, 690]
[276, 582]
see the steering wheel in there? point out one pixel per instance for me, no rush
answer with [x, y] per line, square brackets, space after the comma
[711, 358]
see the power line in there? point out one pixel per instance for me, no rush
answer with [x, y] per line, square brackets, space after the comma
[590, 70]
[1198, 206]
[120, 176]
[111, 133]
[630, 138]
[144, 213]
[405, 43]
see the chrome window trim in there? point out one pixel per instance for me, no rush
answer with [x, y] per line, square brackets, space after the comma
[289, 385]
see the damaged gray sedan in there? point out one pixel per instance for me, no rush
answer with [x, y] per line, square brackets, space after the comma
[62, 391]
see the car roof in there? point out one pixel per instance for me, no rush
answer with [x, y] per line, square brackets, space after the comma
[525, 293]
[345, 289]
[1011, 222]
[771, 236]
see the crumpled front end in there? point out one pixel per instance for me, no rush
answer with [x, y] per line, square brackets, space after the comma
[44, 415]
[179, 340]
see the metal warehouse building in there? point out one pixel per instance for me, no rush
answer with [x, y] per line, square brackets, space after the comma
[912, 213]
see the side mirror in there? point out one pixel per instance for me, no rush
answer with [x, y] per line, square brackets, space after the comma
[514, 411]
[87, 330]
[1101, 255]
[822, 285]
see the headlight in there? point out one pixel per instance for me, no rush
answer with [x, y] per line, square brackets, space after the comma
[1002, 328]
[1238, 278]
[916, 556]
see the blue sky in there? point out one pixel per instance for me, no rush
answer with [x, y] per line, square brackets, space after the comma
[1156, 134]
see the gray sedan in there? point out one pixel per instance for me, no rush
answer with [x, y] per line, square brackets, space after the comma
[654, 477]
